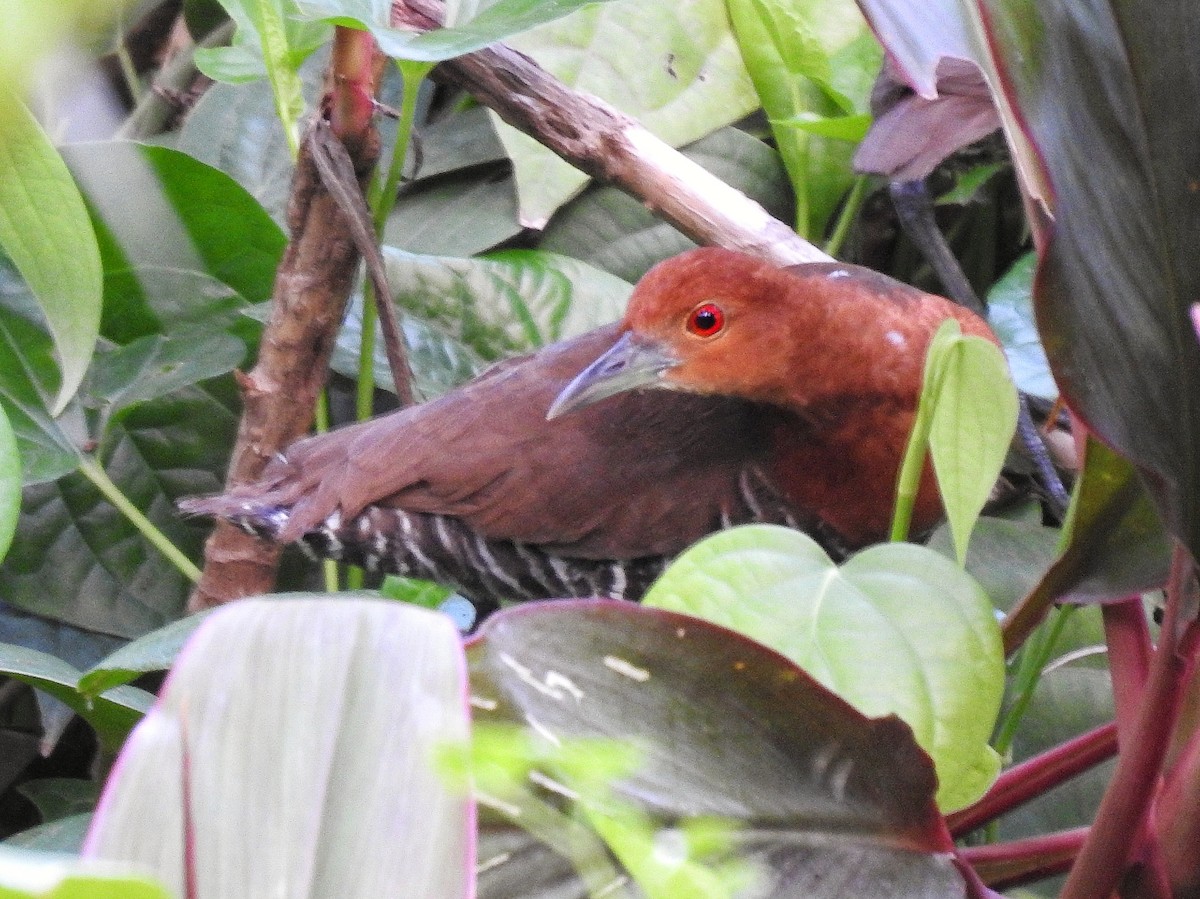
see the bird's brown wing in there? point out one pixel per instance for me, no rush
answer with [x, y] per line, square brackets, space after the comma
[638, 474]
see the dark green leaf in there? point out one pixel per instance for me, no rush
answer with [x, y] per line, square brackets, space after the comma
[60, 797]
[1010, 313]
[113, 714]
[724, 728]
[1117, 545]
[1119, 276]
[76, 559]
[155, 651]
[1007, 558]
[28, 380]
[612, 231]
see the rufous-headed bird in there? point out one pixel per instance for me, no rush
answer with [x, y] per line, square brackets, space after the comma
[732, 391]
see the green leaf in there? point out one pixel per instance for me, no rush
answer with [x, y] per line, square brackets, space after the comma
[459, 216]
[60, 797]
[789, 50]
[65, 835]
[896, 629]
[672, 65]
[28, 874]
[155, 651]
[10, 483]
[1121, 262]
[607, 228]
[69, 535]
[254, 720]
[45, 231]
[112, 713]
[169, 226]
[1010, 313]
[29, 377]
[508, 303]
[974, 418]
[498, 21]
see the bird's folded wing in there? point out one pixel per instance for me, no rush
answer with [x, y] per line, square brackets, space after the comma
[638, 474]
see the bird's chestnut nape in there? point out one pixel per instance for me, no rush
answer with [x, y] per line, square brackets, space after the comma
[706, 320]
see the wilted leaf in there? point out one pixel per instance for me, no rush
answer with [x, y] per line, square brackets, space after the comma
[896, 629]
[248, 745]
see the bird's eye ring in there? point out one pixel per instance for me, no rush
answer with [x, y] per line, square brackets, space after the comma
[706, 320]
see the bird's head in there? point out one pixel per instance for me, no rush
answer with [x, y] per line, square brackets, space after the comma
[717, 321]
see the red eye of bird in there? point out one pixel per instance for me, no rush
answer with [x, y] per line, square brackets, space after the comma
[706, 320]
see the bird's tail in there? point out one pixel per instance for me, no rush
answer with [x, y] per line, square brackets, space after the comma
[255, 517]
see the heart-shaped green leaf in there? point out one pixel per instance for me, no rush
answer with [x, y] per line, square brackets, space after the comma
[896, 629]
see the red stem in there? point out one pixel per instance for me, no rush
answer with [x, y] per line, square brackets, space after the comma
[1129, 652]
[1122, 813]
[1003, 865]
[1035, 776]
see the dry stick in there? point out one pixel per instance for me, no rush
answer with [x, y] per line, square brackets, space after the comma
[312, 287]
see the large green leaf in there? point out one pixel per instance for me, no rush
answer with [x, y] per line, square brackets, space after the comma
[76, 559]
[611, 230]
[499, 20]
[818, 800]
[674, 66]
[1118, 277]
[896, 629]
[112, 713]
[45, 231]
[510, 302]
[29, 378]
[793, 52]
[169, 225]
[294, 743]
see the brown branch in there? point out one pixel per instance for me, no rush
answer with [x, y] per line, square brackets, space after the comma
[312, 287]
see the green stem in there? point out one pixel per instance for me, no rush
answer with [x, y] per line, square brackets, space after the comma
[95, 473]
[1035, 656]
[911, 470]
[854, 201]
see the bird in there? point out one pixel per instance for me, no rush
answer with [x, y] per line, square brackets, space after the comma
[732, 391]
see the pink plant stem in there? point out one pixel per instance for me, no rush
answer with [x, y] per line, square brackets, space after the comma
[1129, 652]
[1035, 776]
[1123, 810]
[1003, 865]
